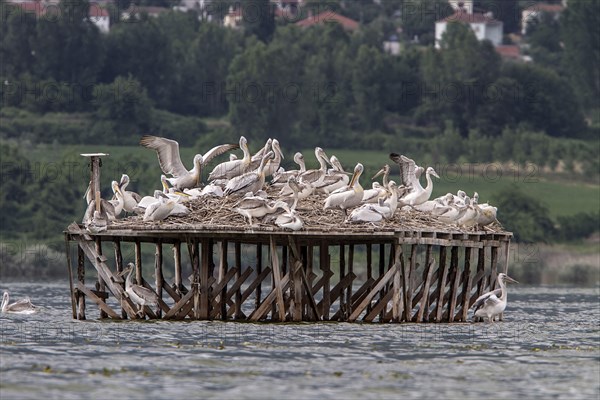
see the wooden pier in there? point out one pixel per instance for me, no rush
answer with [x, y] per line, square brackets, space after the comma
[309, 275]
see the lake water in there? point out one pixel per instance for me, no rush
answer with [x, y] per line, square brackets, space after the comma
[548, 346]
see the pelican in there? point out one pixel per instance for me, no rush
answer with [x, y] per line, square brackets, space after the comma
[487, 215]
[251, 206]
[409, 172]
[250, 181]
[119, 201]
[255, 160]
[130, 199]
[305, 189]
[272, 164]
[373, 195]
[139, 294]
[291, 199]
[347, 197]
[385, 171]
[392, 198]
[107, 212]
[334, 179]
[280, 178]
[289, 220]
[160, 209]
[469, 218]
[489, 305]
[22, 306]
[450, 213]
[370, 213]
[212, 190]
[231, 168]
[170, 160]
[313, 176]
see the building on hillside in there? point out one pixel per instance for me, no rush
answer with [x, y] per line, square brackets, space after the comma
[534, 11]
[136, 12]
[392, 45]
[484, 26]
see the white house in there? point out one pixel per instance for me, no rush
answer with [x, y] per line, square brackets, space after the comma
[484, 26]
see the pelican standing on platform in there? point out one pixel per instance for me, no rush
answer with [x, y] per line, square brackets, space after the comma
[232, 168]
[489, 305]
[252, 181]
[410, 173]
[170, 160]
[348, 197]
[140, 295]
[22, 306]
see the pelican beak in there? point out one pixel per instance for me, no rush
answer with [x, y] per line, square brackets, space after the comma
[353, 179]
[509, 279]
[435, 174]
[381, 172]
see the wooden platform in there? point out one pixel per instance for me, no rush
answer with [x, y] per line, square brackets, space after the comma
[404, 274]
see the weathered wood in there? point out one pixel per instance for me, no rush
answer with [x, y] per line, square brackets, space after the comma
[158, 273]
[233, 290]
[70, 274]
[119, 266]
[466, 288]
[342, 272]
[382, 282]
[204, 277]
[421, 285]
[195, 256]
[277, 279]
[397, 286]
[238, 265]
[258, 271]
[98, 300]
[177, 261]
[380, 306]
[297, 275]
[381, 271]
[338, 291]
[424, 305]
[80, 279]
[369, 251]
[101, 284]
[271, 297]
[455, 281]
[178, 305]
[138, 262]
[325, 267]
[480, 276]
[357, 297]
[494, 269]
[439, 305]
[222, 272]
[252, 287]
[351, 272]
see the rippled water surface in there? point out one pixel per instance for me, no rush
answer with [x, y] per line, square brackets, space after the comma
[547, 347]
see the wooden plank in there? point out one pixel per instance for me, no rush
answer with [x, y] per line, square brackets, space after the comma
[99, 301]
[70, 274]
[338, 291]
[421, 285]
[382, 282]
[138, 262]
[119, 267]
[271, 297]
[455, 281]
[424, 305]
[158, 273]
[177, 262]
[494, 273]
[324, 265]
[379, 307]
[439, 305]
[101, 284]
[238, 266]
[80, 279]
[233, 290]
[261, 277]
[466, 292]
[357, 297]
[351, 272]
[204, 277]
[195, 256]
[369, 252]
[480, 276]
[342, 272]
[381, 271]
[177, 306]
[406, 297]
[277, 279]
[258, 271]
[397, 287]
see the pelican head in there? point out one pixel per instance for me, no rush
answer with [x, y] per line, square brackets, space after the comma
[476, 197]
[198, 160]
[461, 194]
[243, 142]
[115, 187]
[358, 170]
[277, 148]
[382, 171]
[502, 277]
[165, 185]
[431, 171]
[124, 181]
[298, 158]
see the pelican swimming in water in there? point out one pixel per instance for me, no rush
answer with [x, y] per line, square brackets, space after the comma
[232, 168]
[140, 295]
[170, 160]
[22, 306]
[252, 181]
[489, 305]
[349, 196]
[409, 172]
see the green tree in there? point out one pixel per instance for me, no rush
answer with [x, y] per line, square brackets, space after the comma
[368, 85]
[18, 33]
[258, 18]
[418, 18]
[507, 11]
[581, 37]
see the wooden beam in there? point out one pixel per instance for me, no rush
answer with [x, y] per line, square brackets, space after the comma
[119, 267]
[379, 307]
[350, 272]
[99, 301]
[338, 291]
[382, 282]
[324, 265]
[264, 306]
[238, 265]
[80, 279]
[177, 306]
[158, 273]
[222, 273]
[70, 274]
[455, 281]
[258, 271]
[204, 276]
[177, 261]
[396, 287]
[439, 305]
[466, 291]
[423, 306]
[101, 284]
[277, 279]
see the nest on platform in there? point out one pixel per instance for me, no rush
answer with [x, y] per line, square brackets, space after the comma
[217, 213]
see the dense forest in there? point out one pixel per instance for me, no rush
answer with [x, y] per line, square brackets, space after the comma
[184, 76]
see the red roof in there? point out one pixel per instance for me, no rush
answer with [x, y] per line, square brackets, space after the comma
[550, 8]
[463, 16]
[327, 17]
[509, 51]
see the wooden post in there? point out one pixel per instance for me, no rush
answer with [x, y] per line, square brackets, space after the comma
[204, 276]
[424, 305]
[494, 273]
[70, 273]
[397, 288]
[238, 292]
[441, 291]
[455, 281]
[81, 280]
[381, 273]
[481, 271]
[222, 272]
[158, 274]
[196, 277]
[119, 267]
[138, 262]
[258, 272]
[466, 285]
[325, 268]
[369, 268]
[350, 272]
[177, 260]
[342, 275]
[100, 283]
[277, 285]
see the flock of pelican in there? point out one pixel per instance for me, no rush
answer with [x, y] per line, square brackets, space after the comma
[246, 179]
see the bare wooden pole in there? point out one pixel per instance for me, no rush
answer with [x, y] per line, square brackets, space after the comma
[238, 292]
[70, 273]
[158, 274]
[222, 272]
[119, 266]
[455, 280]
[177, 260]
[101, 286]
[396, 287]
[258, 272]
[196, 277]
[381, 273]
[466, 294]
[81, 279]
[342, 250]
[428, 272]
[441, 291]
[369, 268]
[494, 273]
[350, 272]
[204, 276]
[325, 268]
[138, 262]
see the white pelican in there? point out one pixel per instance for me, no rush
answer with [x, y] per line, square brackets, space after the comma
[469, 218]
[370, 213]
[385, 171]
[146, 201]
[212, 190]
[289, 220]
[272, 164]
[450, 213]
[349, 196]
[22, 306]
[255, 160]
[334, 179]
[409, 172]
[251, 206]
[170, 160]
[107, 212]
[291, 199]
[160, 209]
[489, 305]
[392, 198]
[313, 176]
[305, 189]
[119, 202]
[487, 215]
[140, 295]
[280, 178]
[250, 181]
[130, 199]
[231, 168]
[373, 195]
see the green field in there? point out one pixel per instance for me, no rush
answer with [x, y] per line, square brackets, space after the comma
[562, 197]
